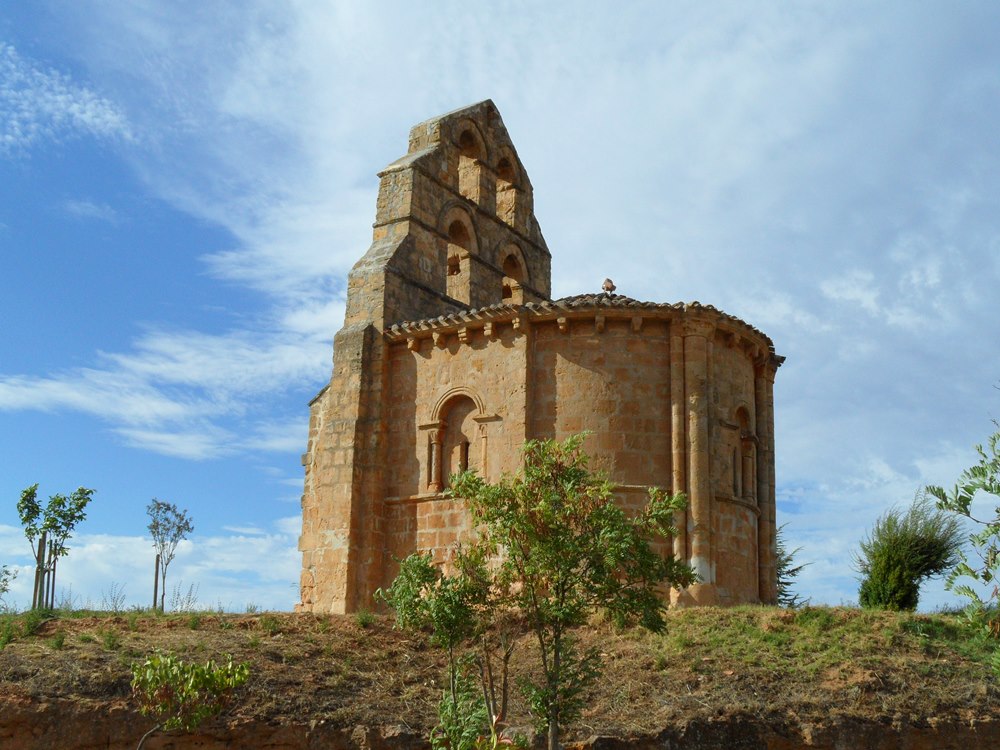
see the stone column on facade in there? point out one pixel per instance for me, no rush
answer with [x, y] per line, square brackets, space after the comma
[697, 338]
[437, 437]
[766, 541]
[678, 441]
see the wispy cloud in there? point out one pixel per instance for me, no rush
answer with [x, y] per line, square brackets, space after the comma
[84, 209]
[177, 392]
[38, 104]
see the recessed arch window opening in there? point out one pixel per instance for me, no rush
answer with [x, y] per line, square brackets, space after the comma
[470, 159]
[506, 200]
[747, 455]
[513, 278]
[458, 271]
[454, 438]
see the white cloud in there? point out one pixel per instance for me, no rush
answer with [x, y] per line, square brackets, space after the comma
[250, 565]
[854, 287]
[84, 209]
[38, 104]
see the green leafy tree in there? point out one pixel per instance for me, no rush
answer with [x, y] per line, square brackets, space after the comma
[980, 479]
[6, 576]
[457, 609]
[787, 571]
[47, 530]
[179, 695]
[168, 526]
[564, 550]
[903, 549]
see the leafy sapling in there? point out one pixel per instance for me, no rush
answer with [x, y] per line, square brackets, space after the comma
[168, 526]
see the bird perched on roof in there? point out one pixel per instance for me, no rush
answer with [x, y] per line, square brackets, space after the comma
[608, 286]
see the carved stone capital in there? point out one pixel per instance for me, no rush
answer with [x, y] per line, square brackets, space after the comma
[690, 326]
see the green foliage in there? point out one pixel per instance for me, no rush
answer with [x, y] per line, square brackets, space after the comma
[270, 625]
[461, 716]
[787, 572]
[33, 619]
[982, 478]
[60, 516]
[58, 640]
[167, 526]
[110, 639]
[180, 695]
[53, 527]
[902, 550]
[565, 550]
[7, 631]
[6, 576]
[194, 621]
[364, 618]
[455, 609]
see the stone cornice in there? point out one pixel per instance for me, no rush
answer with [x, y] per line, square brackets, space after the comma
[582, 307]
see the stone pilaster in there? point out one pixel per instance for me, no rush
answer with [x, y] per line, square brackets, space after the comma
[697, 336]
[766, 532]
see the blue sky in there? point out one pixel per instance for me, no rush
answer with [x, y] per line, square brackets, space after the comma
[184, 187]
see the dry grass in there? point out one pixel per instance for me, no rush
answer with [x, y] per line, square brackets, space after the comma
[811, 664]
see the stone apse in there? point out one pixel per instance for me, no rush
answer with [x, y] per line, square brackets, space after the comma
[453, 354]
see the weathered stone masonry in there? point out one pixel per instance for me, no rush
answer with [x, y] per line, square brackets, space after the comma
[452, 355]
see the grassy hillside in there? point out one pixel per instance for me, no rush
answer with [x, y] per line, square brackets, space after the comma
[811, 664]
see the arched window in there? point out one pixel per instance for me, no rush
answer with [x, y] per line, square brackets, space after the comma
[451, 448]
[459, 247]
[506, 191]
[513, 277]
[470, 158]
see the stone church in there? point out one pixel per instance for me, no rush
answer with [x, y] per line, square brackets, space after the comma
[453, 354]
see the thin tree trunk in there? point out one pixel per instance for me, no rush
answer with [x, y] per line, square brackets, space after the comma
[52, 582]
[36, 592]
[156, 581]
[145, 736]
[554, 706]
[163, 585]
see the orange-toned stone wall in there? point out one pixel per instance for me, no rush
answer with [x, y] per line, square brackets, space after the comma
[452, 355]
[613, 382]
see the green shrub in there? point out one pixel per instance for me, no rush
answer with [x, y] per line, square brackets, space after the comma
[364, 618]
[110, 639]
[7, 633]
[34, 619]
[58, 640]
[903, 549]
[180, 695]
[270, 624]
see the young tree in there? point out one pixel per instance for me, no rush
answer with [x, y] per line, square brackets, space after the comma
[980, 479]
[904, 549]
[456, 609]
[51, 527]
[563, 550]
[6, 576]
[787, 571]
[168, 526]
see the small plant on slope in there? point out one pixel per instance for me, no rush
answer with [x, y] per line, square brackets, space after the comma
[180, 695]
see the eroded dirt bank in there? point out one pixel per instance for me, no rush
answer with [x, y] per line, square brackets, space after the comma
[27, 724]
